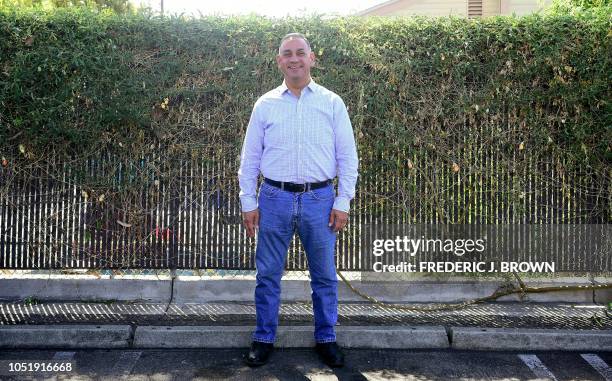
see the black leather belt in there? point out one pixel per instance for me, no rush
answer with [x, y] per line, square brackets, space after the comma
[292, 187]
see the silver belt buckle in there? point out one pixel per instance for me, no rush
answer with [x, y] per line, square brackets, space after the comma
[307, 187]
[282, 185]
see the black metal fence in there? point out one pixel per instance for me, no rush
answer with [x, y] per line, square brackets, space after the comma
[192, 220]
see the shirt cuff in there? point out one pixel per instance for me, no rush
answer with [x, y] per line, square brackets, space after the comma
[342, 204]
[248, 204]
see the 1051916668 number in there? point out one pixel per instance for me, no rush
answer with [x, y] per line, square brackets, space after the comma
[11, 367]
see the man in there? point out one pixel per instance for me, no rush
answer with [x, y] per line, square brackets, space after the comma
[299, 137]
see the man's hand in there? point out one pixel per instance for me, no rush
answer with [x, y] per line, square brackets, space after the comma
[251, 221]
[338, 220]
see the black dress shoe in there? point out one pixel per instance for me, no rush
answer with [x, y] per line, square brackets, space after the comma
[330, 354]
[259, 353]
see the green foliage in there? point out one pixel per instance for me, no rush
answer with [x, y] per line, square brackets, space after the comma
[117, 6]
[585, 4]
[433, 99]
[569, 6]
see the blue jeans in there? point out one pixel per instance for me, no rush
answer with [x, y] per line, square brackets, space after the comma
[281, 214]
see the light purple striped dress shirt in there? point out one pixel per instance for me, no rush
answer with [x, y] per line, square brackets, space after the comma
[300, 140]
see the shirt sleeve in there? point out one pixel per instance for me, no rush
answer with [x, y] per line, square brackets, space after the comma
[346, 157]
[250, 158]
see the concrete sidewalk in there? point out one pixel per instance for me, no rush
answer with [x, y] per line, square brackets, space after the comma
[490, 326]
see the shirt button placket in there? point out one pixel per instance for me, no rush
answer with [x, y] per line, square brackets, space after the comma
[299, 140]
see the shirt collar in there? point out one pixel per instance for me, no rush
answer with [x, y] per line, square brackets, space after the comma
[311, 85]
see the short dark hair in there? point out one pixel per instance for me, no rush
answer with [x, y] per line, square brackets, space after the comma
[290, 36]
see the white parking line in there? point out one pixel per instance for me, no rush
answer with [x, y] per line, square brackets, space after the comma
[600, 365]
[63, 356]
[126, 362]
[321, 377]
[537, 367]
[389, 375]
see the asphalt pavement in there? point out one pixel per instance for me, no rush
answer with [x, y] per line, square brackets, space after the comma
[302, 364]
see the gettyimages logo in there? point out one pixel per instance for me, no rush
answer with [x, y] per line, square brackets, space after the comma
[413, 246]
[486, 248]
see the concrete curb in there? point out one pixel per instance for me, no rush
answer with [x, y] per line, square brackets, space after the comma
[390, 337]
[192, 337]
[387, 337]
[65, 336]
[393, 337]
[68, 289]
[530, 339]
[411, 291]
[193, 289]
[602, 296]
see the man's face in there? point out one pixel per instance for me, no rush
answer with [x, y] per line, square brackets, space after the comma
[295, 60]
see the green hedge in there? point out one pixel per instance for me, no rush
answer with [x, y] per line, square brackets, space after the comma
[422, 93]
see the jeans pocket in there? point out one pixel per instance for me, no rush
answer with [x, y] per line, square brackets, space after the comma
[323, 194]
[268, 191]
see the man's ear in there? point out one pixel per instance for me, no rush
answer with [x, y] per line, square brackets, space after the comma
[313, 57]
[278, 57]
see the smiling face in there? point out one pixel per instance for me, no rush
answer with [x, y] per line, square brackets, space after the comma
[294, 60]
